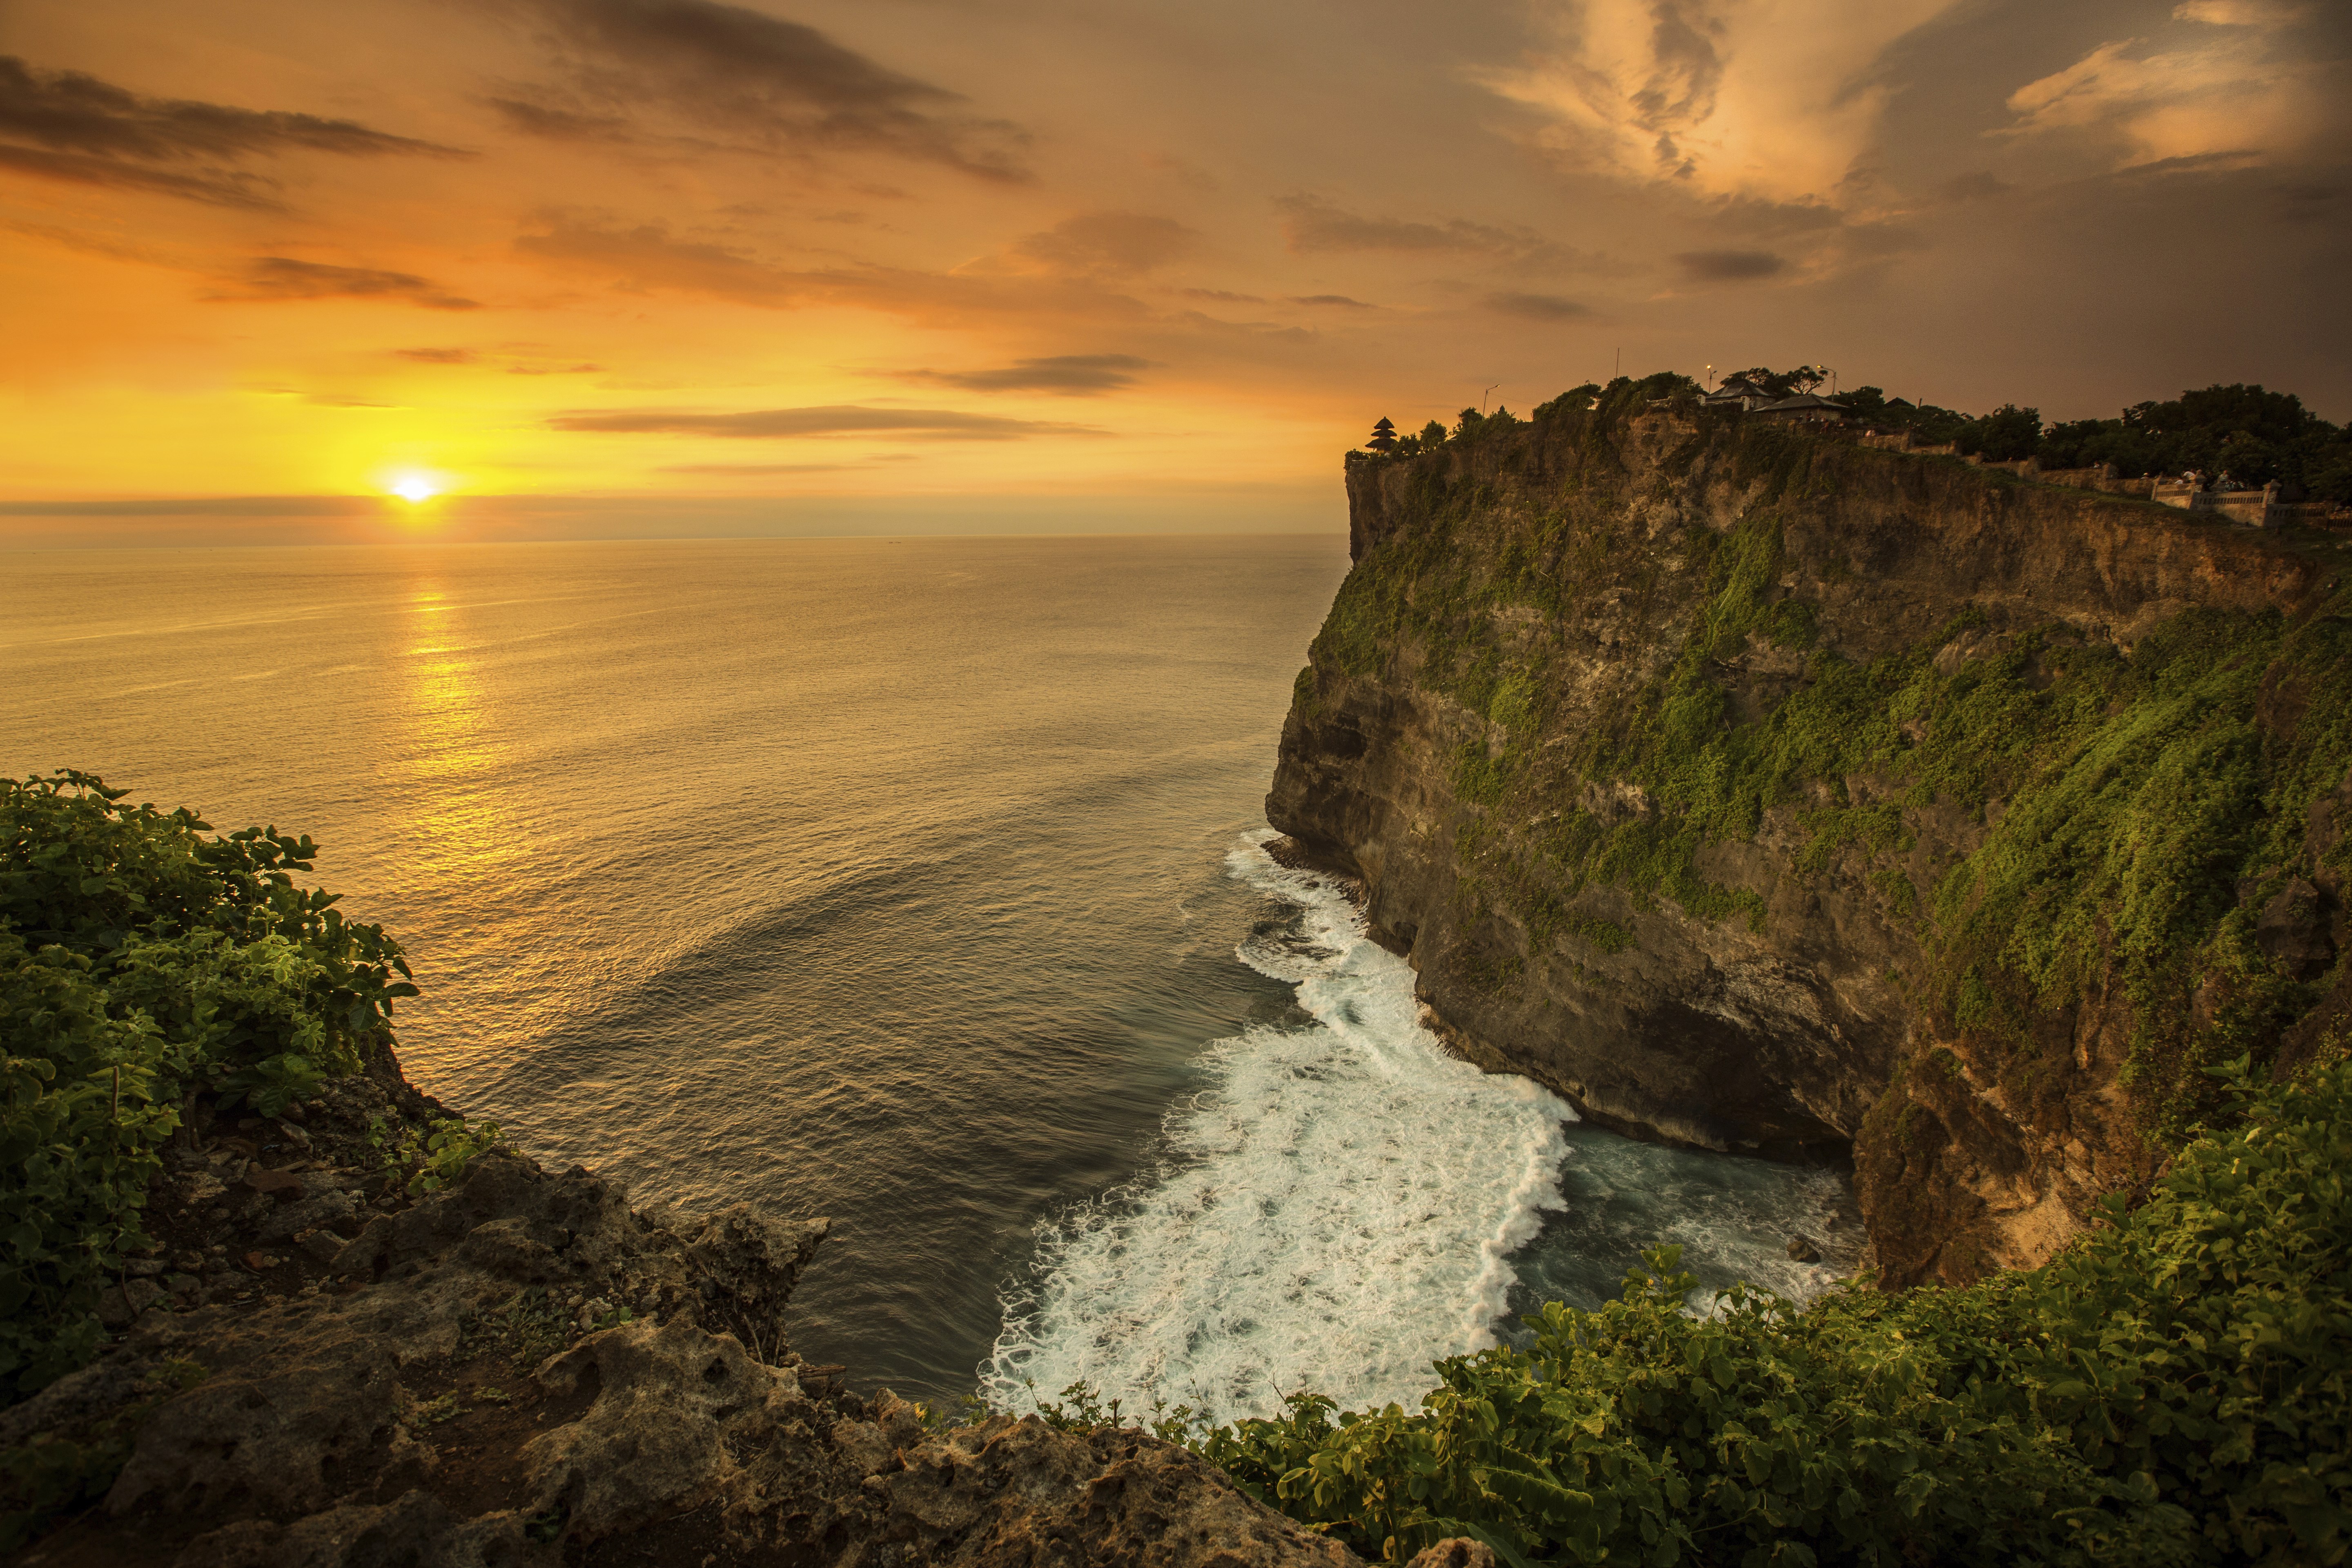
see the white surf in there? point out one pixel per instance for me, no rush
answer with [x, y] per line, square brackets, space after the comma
[1338, 1209]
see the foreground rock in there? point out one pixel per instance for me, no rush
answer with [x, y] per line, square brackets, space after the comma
[521, 1370]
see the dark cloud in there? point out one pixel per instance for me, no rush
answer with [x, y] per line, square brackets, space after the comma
[1980, 185]
[1311, 223]
[2308, 203]
[1223, 296]
[439, 356]
[64, 125]
[775, 84]
[1536, 307]
[645, 256]
[1685, 71]
[74, 112]
[559, 125]
[224, 188]
[1117, 243]
[1258, 331]
[1339, 299]
[1072, 376]
[832, 419]
[284, 278]
[1755, 217]
[1728, 266]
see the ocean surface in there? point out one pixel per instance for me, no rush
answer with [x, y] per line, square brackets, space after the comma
[915, 883]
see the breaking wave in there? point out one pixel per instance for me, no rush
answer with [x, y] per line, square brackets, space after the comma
[1337, 1208]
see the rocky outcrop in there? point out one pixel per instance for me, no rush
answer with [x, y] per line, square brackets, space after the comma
[1671, 752]
[522, 1369]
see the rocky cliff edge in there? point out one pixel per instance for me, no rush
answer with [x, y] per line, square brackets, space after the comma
[1768, 793]
[318, 1370]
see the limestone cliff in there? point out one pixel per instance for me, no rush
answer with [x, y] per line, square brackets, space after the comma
[1767, 792]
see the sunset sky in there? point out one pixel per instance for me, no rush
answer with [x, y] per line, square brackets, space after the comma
[596, 267]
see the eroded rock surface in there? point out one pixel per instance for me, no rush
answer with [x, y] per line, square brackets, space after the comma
[1520, 601]
[524, 1370]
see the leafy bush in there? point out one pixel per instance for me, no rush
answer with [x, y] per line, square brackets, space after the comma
[2177, 1387]
[435, 1157]
[140, 961]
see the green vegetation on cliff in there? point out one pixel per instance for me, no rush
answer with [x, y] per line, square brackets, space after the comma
[2175, 1388]
[142, 960]
[2139, 811]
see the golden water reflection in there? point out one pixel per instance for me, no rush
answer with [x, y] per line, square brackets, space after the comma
[454, 762]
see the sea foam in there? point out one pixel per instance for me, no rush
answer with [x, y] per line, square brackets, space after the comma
[1336, 1209]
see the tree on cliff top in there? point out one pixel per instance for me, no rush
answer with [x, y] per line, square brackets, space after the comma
[2253, 435]
[1781, 383]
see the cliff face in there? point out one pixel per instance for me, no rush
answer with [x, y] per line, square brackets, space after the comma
[1768, 793]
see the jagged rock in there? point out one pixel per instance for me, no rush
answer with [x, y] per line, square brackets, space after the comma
[1456, 1551]
[284, 1185]
[330, 1209]
[754, 1261]
[537, 1216]
[346, 1431]
[673, 1407]
[291, 1412]
[1803, 1251]
[863, 1447]
[416, 1529]
[1013, 1493]
[123, 1304]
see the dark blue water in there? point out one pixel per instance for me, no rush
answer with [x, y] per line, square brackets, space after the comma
[902, 881]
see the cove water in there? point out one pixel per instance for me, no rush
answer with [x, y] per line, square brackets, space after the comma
[917, 883]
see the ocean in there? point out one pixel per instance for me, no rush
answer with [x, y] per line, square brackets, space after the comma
[917, 883]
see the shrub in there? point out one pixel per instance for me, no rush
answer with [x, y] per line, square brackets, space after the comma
[140, 961]
[2172, 1389]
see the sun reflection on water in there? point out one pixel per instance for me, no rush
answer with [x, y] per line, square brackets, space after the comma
[465, 840]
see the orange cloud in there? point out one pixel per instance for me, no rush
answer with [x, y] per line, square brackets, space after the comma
[2238, 91]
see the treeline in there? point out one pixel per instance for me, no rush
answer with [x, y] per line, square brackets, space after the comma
[2239, 434]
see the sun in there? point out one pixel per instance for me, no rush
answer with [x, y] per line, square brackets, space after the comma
[415, 489]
